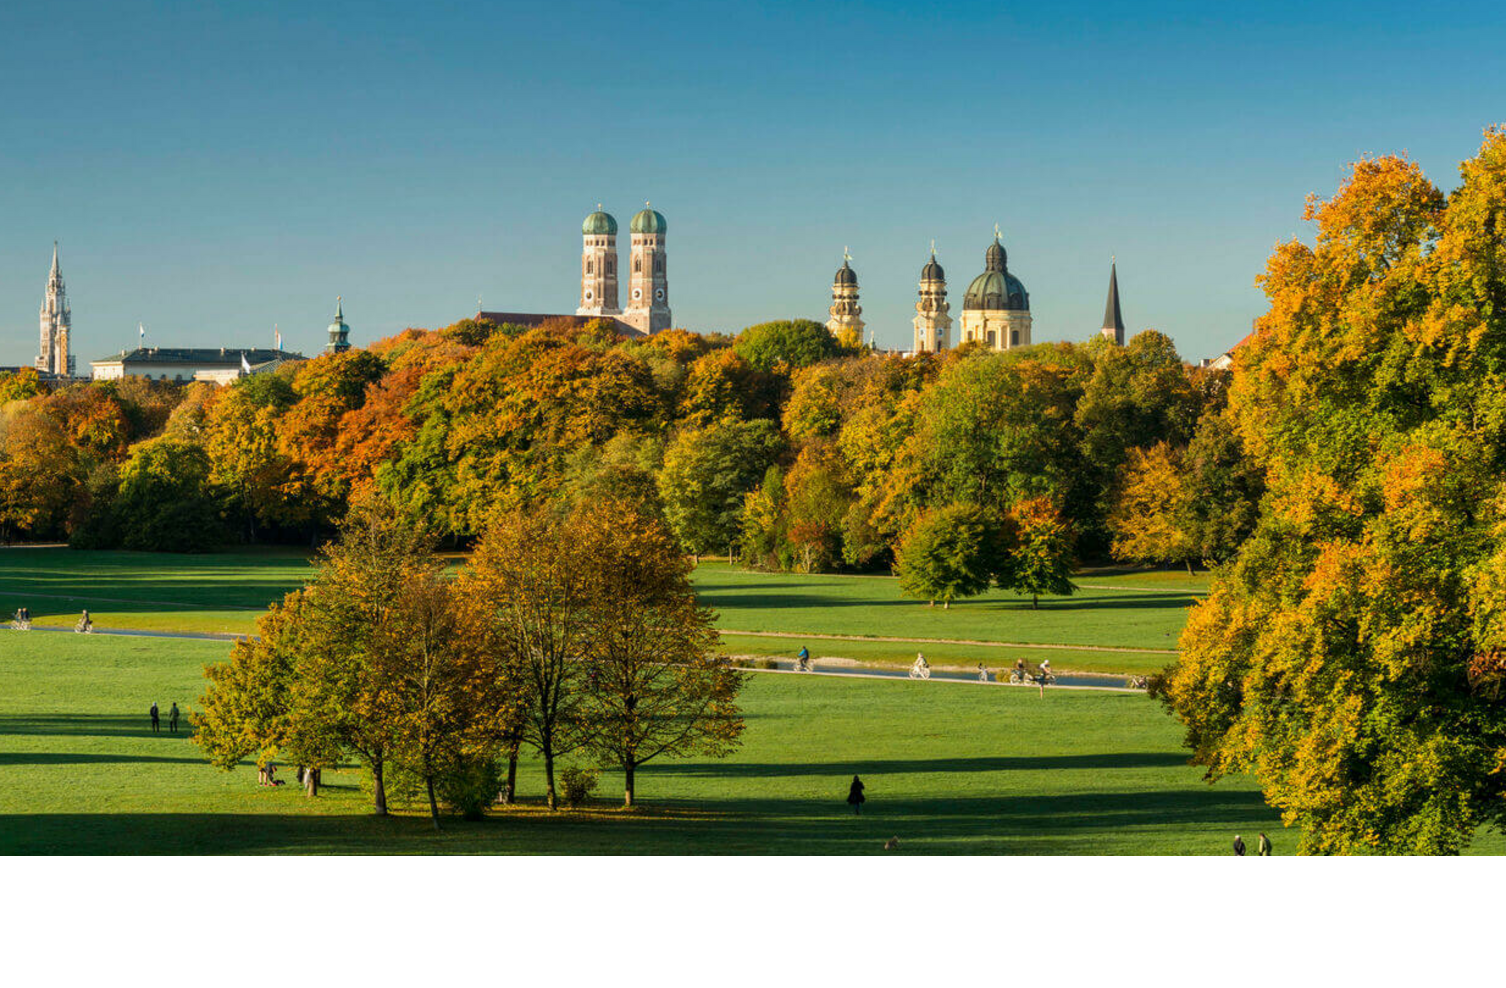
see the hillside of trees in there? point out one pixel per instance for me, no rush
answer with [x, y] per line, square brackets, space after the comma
[778, 445]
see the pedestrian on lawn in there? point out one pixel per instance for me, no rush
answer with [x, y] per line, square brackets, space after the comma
[172, 718]
[1239, 847]
[855, 796]
[156, 719]
[1265, 846]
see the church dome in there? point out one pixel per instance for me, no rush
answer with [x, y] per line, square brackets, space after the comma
[932, 271]
[649, 221]
[845, 277]
[599, 224]
[996, 288]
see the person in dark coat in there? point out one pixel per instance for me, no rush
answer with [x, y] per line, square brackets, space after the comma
[156, 719]
[855, 795]
[172, 718]
[1239, 846]
[1265, 846]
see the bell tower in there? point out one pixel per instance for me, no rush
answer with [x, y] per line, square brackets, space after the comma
[933, 320]
[846, 322]
[598, 265]
[648, 284]
[54, 357]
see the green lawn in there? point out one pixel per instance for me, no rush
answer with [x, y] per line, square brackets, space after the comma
[1139, 613]
[950, 768]
[1125, 617]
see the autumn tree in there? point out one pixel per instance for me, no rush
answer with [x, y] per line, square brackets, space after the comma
[658, 687]
[948, 553]
[1350, 655]
[164, 502]
[1149, 509]
[529, 573]
[1040, 558]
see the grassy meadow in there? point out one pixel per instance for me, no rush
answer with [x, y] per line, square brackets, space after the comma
[1118, 622]
[950, 768]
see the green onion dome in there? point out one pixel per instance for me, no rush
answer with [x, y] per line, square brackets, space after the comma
[648, 221]
[599, 224]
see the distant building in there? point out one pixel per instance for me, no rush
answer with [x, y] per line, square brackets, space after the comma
[933, 320]
[647, 311]
[54, 359]
[846, 322]
[339, 333]
[996, 308]
[183, 364]
[1113, 320]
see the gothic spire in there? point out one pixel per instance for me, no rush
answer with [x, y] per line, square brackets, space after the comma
[1113, 320]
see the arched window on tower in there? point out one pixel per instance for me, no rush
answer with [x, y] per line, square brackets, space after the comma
[637, 265]
[590, 266]
[658, 265]
[611, 266]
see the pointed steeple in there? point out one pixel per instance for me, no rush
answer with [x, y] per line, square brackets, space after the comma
[1113, 320]
[55, 257]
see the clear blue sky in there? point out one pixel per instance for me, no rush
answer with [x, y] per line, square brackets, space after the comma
[213, 169]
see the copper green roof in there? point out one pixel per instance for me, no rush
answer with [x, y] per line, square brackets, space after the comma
[648, 221]
[599, 224]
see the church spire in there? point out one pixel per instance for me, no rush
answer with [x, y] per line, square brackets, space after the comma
[1113, 320]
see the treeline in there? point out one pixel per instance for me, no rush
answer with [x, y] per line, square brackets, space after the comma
[574, 635]
[779, 445]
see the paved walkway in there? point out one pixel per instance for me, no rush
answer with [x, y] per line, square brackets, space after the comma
[947, 641]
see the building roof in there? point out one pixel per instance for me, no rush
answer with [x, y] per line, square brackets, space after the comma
[996, 288]
[648, 220]
[205, 356]
[932, 271]
[599, 224]
[1112, 319]
[845, 276]
[532, 319]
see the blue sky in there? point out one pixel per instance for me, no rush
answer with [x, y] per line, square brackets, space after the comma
[213, 169]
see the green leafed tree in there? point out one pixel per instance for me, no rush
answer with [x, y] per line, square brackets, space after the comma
[706, 474]
[949, 553]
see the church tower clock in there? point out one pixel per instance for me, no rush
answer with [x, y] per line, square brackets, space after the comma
[598, 265]
[648, 281]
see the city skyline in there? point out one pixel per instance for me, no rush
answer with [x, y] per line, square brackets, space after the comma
[215, 174]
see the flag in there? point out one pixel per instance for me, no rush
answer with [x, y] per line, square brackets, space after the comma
[140, 333]
[245, 364]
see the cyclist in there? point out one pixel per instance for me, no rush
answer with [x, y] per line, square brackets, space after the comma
[803, 662]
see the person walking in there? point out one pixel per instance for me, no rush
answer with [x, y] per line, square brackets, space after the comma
[156, 719]
[1265, 846]
[855, 796]
[172, 718]
[1239, 847]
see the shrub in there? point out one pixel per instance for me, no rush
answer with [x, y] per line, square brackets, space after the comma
[470, 786]
[578, 784]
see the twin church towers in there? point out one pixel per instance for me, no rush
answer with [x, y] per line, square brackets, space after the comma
[647, 310]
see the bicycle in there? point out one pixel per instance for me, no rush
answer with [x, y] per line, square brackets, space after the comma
[919, 671]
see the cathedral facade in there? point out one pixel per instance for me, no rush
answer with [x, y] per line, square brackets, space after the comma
[55, 358]
[647, 310]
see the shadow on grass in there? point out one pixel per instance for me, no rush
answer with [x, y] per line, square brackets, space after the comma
[84, 758]
[90, 725]
[1116, 822]
[901, 766]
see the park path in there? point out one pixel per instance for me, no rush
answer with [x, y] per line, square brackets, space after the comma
[948, 641]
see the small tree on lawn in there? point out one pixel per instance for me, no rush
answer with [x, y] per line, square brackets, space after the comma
[948, 553]
[658, 686]
[1040, 557]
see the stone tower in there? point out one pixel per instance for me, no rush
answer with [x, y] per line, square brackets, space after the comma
[598, 265]
[933, 321]
[339, 333]
[648, 285]
[54, 357]
[1113, 322]
[996, 308]
[846, 322]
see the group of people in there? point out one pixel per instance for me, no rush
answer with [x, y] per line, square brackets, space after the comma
[172, 719]
[1263, 849]
[22, 620]
[921, 669]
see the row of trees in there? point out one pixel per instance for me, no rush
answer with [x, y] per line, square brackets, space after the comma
[568, 634]
[780, 444]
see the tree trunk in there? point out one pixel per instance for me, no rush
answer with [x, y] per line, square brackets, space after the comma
[1035, 602]
[311, 782]
[380, 785]
[946, 605]
[1189, 567]
[433, 803]
[627, 789]
[509, 793]
[549, 778]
